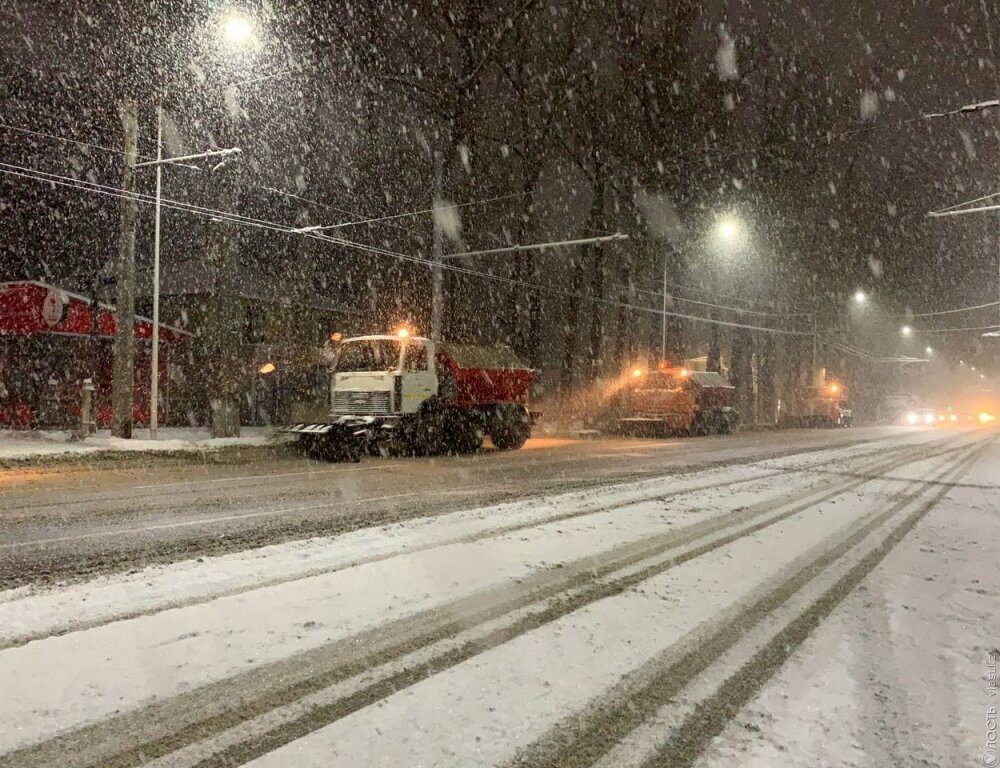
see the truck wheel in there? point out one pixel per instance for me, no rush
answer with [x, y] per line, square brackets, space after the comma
[463, 434]
[326, 448]
[428, 436]
[513, 431]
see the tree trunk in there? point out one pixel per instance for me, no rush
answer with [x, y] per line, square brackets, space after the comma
[768, 385]
[567, 377]
[741, 373]
[123, 366]
[714, 359]
[595, 223]
[223, 340]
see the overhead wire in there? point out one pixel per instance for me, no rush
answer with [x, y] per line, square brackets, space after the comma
[388, 218]
[957, 330]
[949, 311]
[117, 151]
[67, 181]
[674, 297]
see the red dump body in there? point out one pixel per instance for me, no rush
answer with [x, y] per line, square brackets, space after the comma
[484, 375]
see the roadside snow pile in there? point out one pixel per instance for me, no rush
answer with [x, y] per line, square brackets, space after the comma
[17, 444]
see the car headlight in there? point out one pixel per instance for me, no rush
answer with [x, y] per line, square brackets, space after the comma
[953, 417]
[912, 418]
[929, 418]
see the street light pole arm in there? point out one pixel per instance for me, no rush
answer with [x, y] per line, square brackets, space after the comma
[540, 246]
[184, 158]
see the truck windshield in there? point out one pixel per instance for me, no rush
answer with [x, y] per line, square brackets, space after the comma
[368, 355]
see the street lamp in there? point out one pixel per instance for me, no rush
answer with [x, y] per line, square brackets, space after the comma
[238, 29]
[728, 228]
[929, 350]
[906, 331]
[860, 297]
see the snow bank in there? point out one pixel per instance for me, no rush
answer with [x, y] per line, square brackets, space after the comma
[17, 444]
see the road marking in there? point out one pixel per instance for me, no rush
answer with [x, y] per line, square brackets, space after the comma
[260, 477]
[222, 519]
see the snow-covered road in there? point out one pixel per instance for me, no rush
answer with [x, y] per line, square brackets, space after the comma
[765, 612]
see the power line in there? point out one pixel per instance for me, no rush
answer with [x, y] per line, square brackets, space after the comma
[950, 311]
[78, 184]
[114, 151]
[957, 330]
[674, 297]
[54, 137]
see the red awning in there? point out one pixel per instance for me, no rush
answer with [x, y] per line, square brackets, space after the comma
[30, 307]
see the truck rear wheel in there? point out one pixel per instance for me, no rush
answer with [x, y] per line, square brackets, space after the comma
[463, 433]
[513, 429]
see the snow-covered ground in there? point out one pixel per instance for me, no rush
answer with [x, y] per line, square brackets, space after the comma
[25, 444]
[529, 627]
[905, 672]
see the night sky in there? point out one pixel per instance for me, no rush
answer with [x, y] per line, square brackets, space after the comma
[816, 141]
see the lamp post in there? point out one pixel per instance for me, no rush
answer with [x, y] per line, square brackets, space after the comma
[239, 31]
[726, 229]
[158, 164]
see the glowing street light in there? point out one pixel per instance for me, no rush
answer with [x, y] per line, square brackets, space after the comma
[238, 29]
[929, 350]
[728, 228]
[860, 297]
[906, 331]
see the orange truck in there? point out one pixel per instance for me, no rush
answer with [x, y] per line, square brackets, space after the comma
[821, 406]
[670, 401]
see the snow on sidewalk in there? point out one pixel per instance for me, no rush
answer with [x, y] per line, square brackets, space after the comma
[26, 444]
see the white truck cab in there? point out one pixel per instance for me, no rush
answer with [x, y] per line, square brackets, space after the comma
[383, 375]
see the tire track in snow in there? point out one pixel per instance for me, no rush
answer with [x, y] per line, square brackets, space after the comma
[597, 735]
[811, 465]
[46, 566]
[192, 721]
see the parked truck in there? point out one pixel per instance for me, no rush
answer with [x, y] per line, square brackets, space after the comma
[404, 394]
[669, 400]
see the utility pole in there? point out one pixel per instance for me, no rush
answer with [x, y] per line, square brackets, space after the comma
[814, 375]
[124, 354]
[154, 381]
[437, 274]
[663, 317]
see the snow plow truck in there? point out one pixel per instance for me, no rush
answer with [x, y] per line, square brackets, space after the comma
[825, 405]
[669, 401]
[408, 395]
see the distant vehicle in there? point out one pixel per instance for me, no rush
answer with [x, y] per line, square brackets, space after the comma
[823, 406]
[668, 400]
[927, 417]
[895, 408]
[408, 394]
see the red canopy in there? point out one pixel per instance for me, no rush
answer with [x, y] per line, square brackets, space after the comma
[30, 307]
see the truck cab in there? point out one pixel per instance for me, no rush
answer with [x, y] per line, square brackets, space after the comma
[383, 375]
